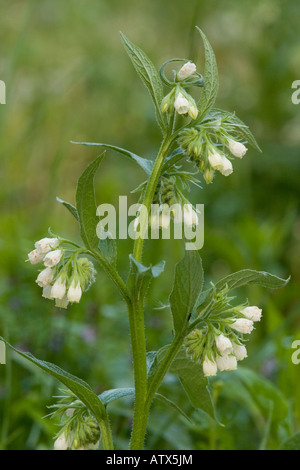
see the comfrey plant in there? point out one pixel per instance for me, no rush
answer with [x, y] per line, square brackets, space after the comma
[210, 328]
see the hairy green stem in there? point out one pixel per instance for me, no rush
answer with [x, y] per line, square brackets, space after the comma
[106, 434]
[136, 313]
[150, 190]
[138, 345]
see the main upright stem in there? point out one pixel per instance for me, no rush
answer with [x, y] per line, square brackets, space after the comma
[136, 315]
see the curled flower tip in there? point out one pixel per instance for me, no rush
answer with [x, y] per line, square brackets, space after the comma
[210, 368]
[242, 325]
[226, 362]
[181, 104]
[74, 292]
[237, 148]
[220, 162]
[188, 69]
[239, 351]
[46, 244]
[252, 313]
[35, 257]
[45, 277]
[53, 258]
[223, 344]
[58, 289]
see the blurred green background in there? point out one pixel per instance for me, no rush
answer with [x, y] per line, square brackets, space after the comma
[68, 78]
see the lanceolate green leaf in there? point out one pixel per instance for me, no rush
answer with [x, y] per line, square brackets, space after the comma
[193, 381]
[211, 79]
[149, 75]
[80, 388]
[242, 278]
[86, 205]
[141, 275]
[235, 121]
[187, 286]
[144, 163]
[70, 207]
[191, 377]
[116, 393]
[249, 276]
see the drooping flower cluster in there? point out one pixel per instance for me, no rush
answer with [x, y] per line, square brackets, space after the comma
[179, 99]
[170, 203]
[211, 144]
[65, 275]
[79, 429]
[219, 343]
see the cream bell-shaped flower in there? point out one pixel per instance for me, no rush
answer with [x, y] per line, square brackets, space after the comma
[188, 69]
[45, 277]
[226, 362]
[210, 368]
[242, 325]
[61, 443]
[62, 303]
[220, 162]
[47, 292]
[74, 292]
[190, 216]
[53, 258]
[223, 344]
[35, 257]
[239, 351]
[46, 244]
[237, 148]
[252, 313]
[181, 104]
[58, 289]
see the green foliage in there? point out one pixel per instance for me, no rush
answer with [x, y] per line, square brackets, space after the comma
[86, 205]
[80, 388]
[188, 281]
[148, 74]
[211, 79]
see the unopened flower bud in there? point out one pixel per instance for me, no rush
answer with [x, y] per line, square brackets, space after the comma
[239, 351]
[46, 244]
[58, 289]
[74, 292]
[188, 69]
[242, 325]
[209, 367]
[193, 111]
[181, 104]
[226, 362]
[223, 344]
[35, 257]
[208, 175]
[252, 313]
[53, 258]
[237, 148]
[45, 277]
